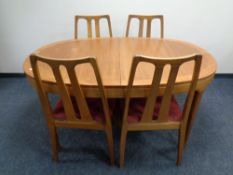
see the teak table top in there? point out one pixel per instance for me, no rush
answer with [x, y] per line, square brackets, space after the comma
[114, 57]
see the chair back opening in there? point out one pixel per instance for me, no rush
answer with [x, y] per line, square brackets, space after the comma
[89, 20]
[72, 94]
[149, 20]
[153, 96]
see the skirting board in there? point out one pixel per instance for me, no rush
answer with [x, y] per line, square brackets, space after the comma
[13, 75]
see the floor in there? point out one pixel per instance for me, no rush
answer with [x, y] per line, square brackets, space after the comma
[25, 147]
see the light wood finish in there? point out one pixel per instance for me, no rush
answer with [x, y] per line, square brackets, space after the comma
[162, 122]
[86, 120]
[114, 57]
[89, 20]
[148, 20]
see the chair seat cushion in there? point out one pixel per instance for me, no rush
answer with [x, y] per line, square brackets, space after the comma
[137, 105]
[94, 104]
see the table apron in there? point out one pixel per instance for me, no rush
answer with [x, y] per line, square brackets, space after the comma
[120, 92]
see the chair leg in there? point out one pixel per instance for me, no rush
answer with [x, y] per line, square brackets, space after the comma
[122, 146]
[180, 146]
[110, 145]
[54, 142]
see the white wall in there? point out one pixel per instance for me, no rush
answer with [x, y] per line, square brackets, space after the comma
[26, 25]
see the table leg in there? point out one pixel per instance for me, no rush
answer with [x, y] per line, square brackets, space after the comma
[193, 112]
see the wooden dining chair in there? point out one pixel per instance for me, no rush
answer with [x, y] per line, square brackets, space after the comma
[74, 110]
[89, 20]
[149, 20]
[159, 112]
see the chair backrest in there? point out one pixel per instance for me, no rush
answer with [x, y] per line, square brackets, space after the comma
[159, 64]
[89, 20]
[74, 90]
[149, 20]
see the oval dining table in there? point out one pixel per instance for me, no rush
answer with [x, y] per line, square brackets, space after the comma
[114, 57]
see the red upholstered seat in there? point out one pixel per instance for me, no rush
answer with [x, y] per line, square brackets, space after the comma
[94, 104]
[136, 109]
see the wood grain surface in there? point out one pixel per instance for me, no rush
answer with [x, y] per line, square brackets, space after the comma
[114, 57]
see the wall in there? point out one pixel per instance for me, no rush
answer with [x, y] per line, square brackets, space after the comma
[28, 24]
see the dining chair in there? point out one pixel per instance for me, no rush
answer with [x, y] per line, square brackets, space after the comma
[74, 110]
[89, 20]
[149, 20]
[156, 112]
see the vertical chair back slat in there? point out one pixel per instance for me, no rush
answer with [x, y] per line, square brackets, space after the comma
[164, 112]
[109, 25]
[97, 28]
[67, 103]
[89, 20]
[148, 28]
[148, 112]
[141, 24]
[89, 28]
[149, 20]
[79, 96]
